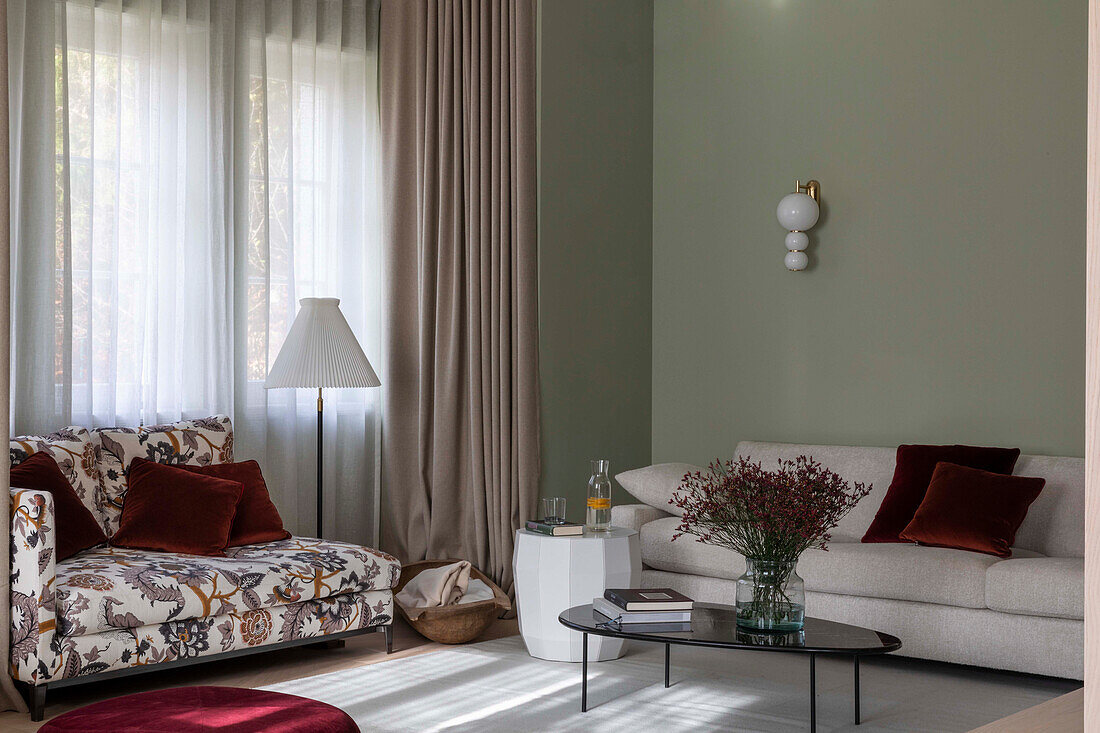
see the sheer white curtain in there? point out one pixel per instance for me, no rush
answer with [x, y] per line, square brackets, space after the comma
[120, 266]
[182, 172]
[309, 176]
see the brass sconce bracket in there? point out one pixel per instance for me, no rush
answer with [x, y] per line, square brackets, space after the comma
[811, 189]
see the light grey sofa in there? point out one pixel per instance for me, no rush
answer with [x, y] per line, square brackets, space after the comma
[1024, 613]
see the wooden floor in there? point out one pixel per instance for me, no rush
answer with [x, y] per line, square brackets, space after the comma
[1065, 714]
[250, 671]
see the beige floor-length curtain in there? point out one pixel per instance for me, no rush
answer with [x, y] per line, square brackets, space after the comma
[460, 444]
[9, 698]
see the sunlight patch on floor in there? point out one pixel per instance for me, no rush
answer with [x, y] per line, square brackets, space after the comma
[497, 686]
[493, 709]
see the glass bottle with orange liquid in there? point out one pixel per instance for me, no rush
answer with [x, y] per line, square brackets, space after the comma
[598, 515]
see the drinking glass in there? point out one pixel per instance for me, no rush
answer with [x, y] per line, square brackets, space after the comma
[553, 510]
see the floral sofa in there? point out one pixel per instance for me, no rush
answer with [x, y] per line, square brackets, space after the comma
[109, 611]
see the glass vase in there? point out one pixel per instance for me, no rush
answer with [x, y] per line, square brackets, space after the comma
[770, 596]
[598, 514]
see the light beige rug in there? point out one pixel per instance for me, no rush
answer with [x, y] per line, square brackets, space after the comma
[496, 686]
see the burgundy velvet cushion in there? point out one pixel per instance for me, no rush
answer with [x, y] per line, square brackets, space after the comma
[76, 528]
[167, 509]
[912, 474]
[257, 519]
[205, 710]
[969, 509]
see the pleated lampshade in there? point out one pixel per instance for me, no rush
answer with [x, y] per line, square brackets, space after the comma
[321, 351]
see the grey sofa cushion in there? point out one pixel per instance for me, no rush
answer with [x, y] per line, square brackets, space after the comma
[1044, 586]
[900, 572]
[654, 485]
[979, 636]
[686, 555]
[894, 571]
[1055, 522]
[634, 516]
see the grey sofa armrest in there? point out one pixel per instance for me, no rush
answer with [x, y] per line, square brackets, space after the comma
[633, 516]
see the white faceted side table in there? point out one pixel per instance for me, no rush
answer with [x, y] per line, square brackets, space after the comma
[555, 573]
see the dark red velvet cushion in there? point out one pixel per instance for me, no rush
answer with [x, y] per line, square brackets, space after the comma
[205, 710]
[257, 519]
[76, 528]
[912, 474]
[168, 509]
[969, 509]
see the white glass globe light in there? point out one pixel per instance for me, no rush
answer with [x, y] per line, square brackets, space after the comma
[797, 212]
[797, 241]
[796, 260]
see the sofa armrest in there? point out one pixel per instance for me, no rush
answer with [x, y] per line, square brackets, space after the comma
[33, 617]
[633, 516]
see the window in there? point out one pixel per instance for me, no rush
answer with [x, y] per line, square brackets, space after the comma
[189, 215]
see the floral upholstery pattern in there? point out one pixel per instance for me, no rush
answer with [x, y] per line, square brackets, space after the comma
[74, 656]
[116, 588]
[75, 453]
[33, 620]
[109, 608]
[275, 599]
[198, 442]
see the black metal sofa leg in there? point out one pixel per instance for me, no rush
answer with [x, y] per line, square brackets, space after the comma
[388, 629]
[36, 701]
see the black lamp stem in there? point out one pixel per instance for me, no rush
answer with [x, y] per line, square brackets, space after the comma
[320, 449]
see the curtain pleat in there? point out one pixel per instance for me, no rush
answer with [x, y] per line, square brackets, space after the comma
[460, 462]
[10, 699]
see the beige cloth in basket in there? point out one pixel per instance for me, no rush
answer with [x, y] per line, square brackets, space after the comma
[436, 587]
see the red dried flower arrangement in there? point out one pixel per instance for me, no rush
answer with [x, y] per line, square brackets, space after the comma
[765, 515]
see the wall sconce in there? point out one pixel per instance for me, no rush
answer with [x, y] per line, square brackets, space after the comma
[798, 212]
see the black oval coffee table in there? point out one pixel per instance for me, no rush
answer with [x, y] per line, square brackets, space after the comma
[715, 625]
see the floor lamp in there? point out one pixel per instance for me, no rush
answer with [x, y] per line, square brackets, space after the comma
[321, 351]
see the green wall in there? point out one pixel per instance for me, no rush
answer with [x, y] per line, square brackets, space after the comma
[595, 254]
[945, 297]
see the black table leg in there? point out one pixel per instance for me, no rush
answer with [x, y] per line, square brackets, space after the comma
[813, 693]
[667, 648]
[855, 666]
[584, 673]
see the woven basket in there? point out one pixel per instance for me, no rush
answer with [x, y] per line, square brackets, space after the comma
[457, 623]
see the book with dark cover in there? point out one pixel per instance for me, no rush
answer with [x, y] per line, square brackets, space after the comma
[648, 599]
[555, 530]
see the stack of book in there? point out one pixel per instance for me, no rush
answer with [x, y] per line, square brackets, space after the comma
[555, 529]
[645, 609]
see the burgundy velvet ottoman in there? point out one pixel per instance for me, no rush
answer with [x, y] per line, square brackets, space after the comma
[205, 709]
